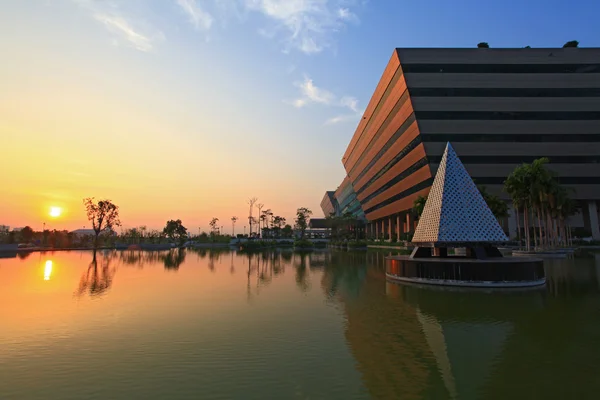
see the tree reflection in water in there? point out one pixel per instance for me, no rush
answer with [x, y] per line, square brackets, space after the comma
[96, 280]
[173, 259]
[302, 276]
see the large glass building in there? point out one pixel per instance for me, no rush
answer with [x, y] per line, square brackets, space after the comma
[498, 107]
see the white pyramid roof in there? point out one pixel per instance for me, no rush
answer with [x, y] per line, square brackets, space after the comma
[455, 211]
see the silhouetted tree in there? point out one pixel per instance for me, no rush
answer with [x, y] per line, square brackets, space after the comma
[572, 43]
[26, 234]
[175, 231]
[483, 45]
[233, 221]
[302, 217]
[104, 215]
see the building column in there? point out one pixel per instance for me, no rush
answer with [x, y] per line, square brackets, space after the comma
[512, 222]
[390, 228]
[409, 222]
[376, 229]
[593, 215]
[398, 227]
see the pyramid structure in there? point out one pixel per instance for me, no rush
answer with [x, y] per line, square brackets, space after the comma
[455, 211]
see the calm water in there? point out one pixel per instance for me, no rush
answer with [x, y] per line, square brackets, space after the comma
[220, 325]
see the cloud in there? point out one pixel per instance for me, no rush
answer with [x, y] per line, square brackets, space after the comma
[306, 25]
[201, 19]
[311, 94]
[133, 32]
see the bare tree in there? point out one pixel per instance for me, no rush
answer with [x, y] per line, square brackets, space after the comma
[260, 207]
[251, 202]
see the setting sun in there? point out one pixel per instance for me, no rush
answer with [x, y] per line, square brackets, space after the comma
[55, 212]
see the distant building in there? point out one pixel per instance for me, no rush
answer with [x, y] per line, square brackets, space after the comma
[80, 233]
[4, 228]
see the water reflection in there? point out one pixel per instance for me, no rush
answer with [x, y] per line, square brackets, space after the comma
[96, 280]
[47, 270]
[398, 340]
[173, 259]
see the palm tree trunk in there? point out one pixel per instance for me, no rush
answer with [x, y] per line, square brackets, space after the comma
[518, 225]
[526, 224]
[538, 211]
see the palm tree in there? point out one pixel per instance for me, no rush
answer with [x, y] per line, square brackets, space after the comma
[418, 206]
[233, 221]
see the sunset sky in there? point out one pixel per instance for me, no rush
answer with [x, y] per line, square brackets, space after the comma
[185, 109]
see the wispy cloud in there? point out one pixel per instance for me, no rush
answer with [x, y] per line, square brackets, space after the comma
[201, 19]
[306, 25]
[312, 94]
[133, 31]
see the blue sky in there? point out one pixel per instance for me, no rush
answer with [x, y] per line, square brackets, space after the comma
[205, 103]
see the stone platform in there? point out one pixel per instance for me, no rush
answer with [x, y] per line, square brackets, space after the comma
[468, 272]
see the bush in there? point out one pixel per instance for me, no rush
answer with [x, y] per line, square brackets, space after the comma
[303, 244]
[357, 244]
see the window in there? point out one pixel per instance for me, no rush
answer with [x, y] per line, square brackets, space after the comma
[419, 186]
[491, 159]
[509, 115]
[504, 92]
[403, 175]
[409, 147]
[501, 68]
[510, 137]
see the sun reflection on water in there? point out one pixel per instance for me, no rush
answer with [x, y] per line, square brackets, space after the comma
[48, 270]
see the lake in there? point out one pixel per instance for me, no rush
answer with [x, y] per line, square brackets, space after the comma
[215, 324]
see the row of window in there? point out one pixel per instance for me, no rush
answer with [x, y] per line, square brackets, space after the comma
[505, 92]
[564, 180]
[407, 149]
[511, 138]
[386, 94]
[382, 128]
[491, 159]
[496, 180]
[403, 175]
[412, 190]
[501, 68]
[509, 115]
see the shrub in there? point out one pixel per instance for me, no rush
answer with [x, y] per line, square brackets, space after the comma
[303, 244]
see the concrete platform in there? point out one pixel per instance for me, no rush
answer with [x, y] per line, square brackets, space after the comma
[507, 272]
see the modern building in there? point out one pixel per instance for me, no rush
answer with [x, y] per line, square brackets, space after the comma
[498, 107]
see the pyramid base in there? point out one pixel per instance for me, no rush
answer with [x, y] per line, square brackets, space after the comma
[462, 271]
[476, 251]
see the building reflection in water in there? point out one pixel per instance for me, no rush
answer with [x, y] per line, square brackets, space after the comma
[423, 341]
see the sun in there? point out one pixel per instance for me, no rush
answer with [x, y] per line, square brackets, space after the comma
[55, 212]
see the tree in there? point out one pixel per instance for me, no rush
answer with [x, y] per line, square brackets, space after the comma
[571, 43]
[419, 206]
[287, 231]
[175, 231]
[104, 215]
[251, 202]
[302, 217]
[483, 45]
[213, 225]
[498, 207]
[259, 216]
[26, 234]
[233, 221]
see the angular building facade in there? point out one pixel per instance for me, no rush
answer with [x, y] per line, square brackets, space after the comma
[498, 107]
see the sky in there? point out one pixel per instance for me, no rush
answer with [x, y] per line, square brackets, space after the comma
[183, 109]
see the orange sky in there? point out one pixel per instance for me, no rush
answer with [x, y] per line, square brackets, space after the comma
[152, 125]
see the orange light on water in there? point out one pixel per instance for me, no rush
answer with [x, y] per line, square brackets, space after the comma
[48, 270]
